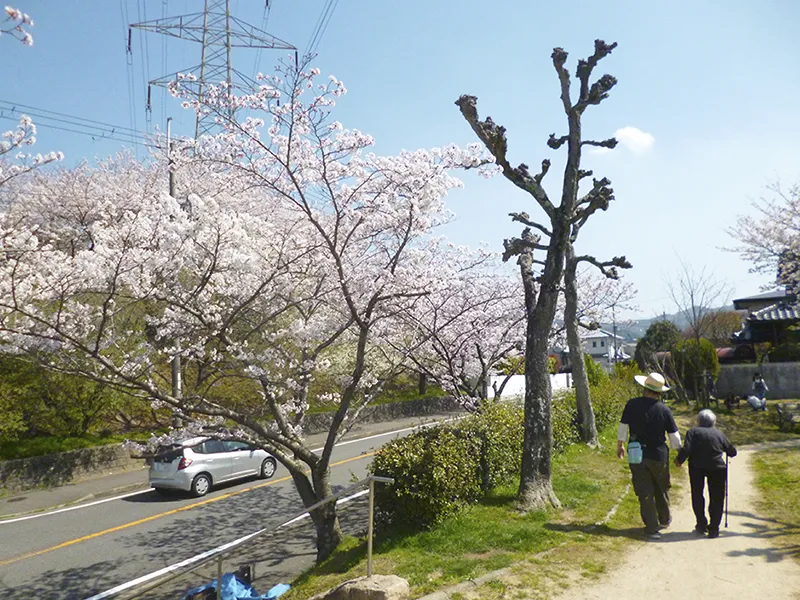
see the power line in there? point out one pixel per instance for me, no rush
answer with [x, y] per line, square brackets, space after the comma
[13, 106]
[96, 136]
[321, 26]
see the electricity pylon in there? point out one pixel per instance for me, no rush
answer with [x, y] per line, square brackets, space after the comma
[218, 32]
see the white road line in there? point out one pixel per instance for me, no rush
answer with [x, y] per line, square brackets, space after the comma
[364, 439]
[185, 563]
[62, 510]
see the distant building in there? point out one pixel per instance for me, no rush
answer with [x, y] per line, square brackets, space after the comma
[770, 317]
[599, 344]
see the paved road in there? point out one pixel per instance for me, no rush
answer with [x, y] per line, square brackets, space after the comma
[83, 552]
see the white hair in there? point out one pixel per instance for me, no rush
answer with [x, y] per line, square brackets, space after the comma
[706, 418]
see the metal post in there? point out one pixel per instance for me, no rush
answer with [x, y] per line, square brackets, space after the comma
[177, 384]
[219, 578]
[369, 526]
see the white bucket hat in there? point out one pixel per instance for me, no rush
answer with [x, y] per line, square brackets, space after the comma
[654, 382]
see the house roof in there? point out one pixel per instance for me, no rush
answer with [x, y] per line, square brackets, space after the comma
[597, 334]
[776, 295]
[777, 312]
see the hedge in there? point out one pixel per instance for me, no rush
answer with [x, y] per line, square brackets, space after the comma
[437, 471]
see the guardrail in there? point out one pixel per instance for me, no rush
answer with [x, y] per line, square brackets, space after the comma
[143, 585]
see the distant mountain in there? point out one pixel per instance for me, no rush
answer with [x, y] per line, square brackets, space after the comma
[634, 329]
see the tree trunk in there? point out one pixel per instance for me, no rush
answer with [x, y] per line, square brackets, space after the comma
[535, 485]
[423, 384]
[583, 398]
[325, 518]
[536, 488]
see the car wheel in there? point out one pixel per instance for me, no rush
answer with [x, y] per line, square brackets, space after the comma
[268, 468]
[201, 485]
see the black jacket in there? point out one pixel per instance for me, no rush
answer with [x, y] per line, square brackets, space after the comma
[704, 446]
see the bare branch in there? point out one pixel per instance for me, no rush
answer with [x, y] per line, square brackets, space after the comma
[598, 198]
[525, 219]
[599, 90]
[559, 57]
[610, 143]
[493, 137]
[556, 143]
[609, 267]
[520, 246]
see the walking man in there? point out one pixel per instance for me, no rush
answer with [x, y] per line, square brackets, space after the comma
[645, 424]
[703, 447]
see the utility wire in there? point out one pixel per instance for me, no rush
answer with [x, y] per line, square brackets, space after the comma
[264, 22]
[321, 26]
[96, 136]
[16, 106]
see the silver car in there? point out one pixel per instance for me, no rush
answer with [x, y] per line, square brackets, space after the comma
[198, 464]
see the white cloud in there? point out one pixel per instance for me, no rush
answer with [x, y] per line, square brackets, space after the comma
[634, 139]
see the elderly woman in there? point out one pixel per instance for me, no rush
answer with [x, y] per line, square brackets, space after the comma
[703, 447]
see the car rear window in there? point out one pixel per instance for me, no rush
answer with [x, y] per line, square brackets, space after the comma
[210, 447]
[231, 446]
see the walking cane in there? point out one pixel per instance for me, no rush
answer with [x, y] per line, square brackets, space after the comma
[727, 458]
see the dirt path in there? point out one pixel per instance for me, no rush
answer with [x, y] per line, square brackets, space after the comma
[742, 563]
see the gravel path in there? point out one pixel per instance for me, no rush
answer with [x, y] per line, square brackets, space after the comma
[743, 562]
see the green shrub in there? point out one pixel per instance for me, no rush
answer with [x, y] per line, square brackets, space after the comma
[500, 427]
[564, 416]
[437, 471]
[784, 352]
[594, 372]
[691, 359]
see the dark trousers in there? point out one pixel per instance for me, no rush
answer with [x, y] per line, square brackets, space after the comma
[651, 485]
[716, 496]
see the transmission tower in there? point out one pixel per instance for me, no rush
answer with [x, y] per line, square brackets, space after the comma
[218, 32]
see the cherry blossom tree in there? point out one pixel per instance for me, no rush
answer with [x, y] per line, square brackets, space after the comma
[563, 222]
[469, 327]
[14, 25]
[14, 160]
[288, 259]
[770, 238]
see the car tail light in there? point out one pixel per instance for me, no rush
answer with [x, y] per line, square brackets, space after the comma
[185, 462]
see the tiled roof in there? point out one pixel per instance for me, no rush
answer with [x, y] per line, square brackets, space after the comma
[773, 295]
[777, 312]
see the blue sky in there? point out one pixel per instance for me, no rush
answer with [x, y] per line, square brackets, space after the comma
[713, 83]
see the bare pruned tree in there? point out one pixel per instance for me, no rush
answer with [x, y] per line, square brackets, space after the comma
[698, 296]
[583, 399]
[542, 277]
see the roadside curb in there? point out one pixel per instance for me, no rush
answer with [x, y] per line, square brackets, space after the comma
[96, 496]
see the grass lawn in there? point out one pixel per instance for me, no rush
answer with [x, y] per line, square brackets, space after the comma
[741, 425]
[541, 549]
[778, 479]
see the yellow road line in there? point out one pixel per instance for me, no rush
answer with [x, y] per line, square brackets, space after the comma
[164, 514]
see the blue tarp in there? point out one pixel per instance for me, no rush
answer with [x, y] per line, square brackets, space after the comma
[234, 588]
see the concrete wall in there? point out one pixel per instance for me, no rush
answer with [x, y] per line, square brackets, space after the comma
[782, 379]
[516, 385]
[387, 412]
[62, 468]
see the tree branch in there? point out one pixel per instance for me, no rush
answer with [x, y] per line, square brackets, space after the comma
[520, 246]
[559, 57]
[493, 137]
[525, 219]
[598, 198]
[609, 267]
[556, 143]
[599, 90]
[609, 143]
